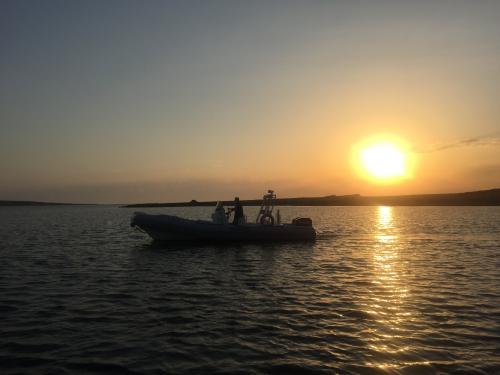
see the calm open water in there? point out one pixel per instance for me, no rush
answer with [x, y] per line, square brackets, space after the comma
[412, 290]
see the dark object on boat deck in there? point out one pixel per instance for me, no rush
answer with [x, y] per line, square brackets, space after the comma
[168, 228]
[302, 221]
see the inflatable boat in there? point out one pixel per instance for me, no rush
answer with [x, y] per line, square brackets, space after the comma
[174, 228]
[168, 228]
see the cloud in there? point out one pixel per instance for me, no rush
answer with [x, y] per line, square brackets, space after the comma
[468, 142]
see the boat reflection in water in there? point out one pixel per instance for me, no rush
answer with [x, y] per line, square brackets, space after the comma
[390, 335]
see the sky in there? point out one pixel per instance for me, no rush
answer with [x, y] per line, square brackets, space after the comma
[149, 101]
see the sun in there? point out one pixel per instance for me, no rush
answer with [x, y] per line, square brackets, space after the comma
[383, 160]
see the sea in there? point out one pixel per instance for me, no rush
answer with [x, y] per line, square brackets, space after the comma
[383, 290]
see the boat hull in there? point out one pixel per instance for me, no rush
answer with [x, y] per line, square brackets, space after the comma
[173, 228]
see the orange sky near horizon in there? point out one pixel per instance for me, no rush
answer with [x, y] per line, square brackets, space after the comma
[176, 101]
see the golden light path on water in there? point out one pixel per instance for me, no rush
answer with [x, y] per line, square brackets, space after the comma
[388, 300]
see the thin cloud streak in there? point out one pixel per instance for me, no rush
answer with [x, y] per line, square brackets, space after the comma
[468, 142]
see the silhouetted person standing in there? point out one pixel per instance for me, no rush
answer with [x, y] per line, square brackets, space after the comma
[238, 211]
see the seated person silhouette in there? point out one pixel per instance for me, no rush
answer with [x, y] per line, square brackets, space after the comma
[219, 215]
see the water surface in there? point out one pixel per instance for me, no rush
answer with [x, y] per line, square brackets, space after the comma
[410, 290]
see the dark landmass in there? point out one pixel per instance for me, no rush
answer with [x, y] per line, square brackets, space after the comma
[474, 198]
[33, 203]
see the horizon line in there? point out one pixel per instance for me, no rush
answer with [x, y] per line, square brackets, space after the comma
[6, 202]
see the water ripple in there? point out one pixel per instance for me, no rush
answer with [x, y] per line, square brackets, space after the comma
[383, 290]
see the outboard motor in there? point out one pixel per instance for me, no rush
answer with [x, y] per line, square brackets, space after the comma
[302, 222]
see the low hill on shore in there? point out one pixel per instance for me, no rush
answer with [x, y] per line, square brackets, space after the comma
[473, 198]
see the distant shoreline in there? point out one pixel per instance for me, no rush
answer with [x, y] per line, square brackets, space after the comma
[475, 198]
[489, 197]
[35, 203]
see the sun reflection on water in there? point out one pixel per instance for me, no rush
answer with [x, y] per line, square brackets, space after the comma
[387, 298]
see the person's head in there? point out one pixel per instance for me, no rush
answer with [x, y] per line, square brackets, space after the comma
[236, 199]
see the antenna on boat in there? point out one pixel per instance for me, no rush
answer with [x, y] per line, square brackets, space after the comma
[265, 215]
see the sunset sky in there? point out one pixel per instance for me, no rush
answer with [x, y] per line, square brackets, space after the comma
[143, 101]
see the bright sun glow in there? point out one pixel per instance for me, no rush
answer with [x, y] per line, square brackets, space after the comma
[383, 160]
